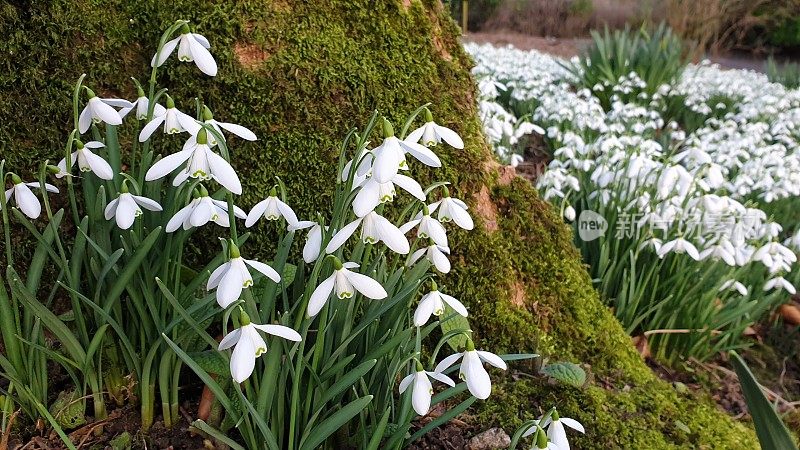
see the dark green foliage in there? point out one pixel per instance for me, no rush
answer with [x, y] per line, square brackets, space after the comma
[300, 75]
[787, 74]
[657, 56]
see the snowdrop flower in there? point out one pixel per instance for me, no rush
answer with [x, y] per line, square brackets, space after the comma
[390, 155]
[429, 228]
[516, 160]
[249, 345]
[734, 285]
[192, 47]
[433, 303]
[24, 198]
[556, 432]
[780, 283]
[433, 134]
[452, 209]
[421, 388]
[344, 283]
[313, 244]
[569, 213]
[773, 253]
[273, 209]
[141, 105]
[373, 193]
[238, 130]
[472, 371]
[540, 439]
[376, 228]
[679, 245]
[233, 276]
[99, 110]
[203, 163]
[174, 122]
[201, 210]
[723, 250]
[435, 254]
[126, 207]
[87, 161]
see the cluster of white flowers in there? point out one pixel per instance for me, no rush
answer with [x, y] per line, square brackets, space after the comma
[702, 192]
[377, 173]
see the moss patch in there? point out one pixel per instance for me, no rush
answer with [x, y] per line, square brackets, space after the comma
[300, 74]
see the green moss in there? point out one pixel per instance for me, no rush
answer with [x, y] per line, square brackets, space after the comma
[301, 74]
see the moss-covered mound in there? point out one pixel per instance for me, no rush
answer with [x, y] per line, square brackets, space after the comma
[300, 74]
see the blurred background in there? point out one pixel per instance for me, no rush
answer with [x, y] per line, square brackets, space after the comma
[735, 29]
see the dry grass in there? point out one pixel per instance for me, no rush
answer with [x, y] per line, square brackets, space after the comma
[714, 25]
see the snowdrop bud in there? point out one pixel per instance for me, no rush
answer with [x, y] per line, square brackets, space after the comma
[170, 102]
[446, 191]
[124, 188]
[428, 115]
[233, 250]
[388, 131]
[337, 265]
[425, 210]
[569, 213]
[139, 91]
[207, 115]
[90, 93]
[185, 29]
[15, 179]
[78, 144]
[554, 416]
[434, 286]
[53, 169]
[420, 368]
[202, 191]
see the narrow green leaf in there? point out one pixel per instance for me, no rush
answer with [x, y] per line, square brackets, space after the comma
[770, 429]
[327, 427]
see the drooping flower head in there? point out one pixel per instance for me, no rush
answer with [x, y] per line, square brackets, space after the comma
[271, 208]
[471, 370]
[126, 207]
[421, 387]
[24, 198]
[201, 210]
[433, 303]
[99, 110]
[192, 47]
[249, 344]
[202, 163]
[390, 155]
[345, 283]
[87, 161]
[173, 119]
[234, 276]
[432, 134]
[238, 130]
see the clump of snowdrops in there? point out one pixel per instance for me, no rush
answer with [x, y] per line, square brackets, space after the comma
[341, 346]
[696, 179]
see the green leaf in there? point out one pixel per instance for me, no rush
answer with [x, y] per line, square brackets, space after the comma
[332, 424]
[212, 362]
[377, 434]
[216, 434]
[349, 379]
[56, 326]
[455, 322]
[770, 429]
[566, 372]
[446, 417]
